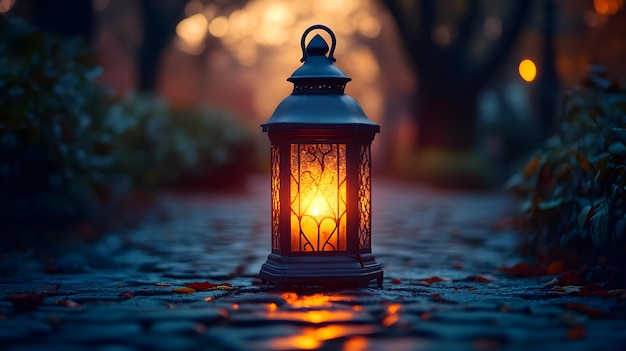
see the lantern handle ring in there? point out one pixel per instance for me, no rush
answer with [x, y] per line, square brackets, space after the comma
[332, 38]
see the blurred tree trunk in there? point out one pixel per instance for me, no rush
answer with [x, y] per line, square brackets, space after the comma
[450, 77]
[159, 24]
[548, 80]
[65, 17]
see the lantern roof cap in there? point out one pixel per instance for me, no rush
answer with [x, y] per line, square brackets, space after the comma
[318, 100]
[317, 65]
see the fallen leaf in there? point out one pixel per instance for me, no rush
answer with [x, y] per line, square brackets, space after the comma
[396, 281]
[186, 290]
[481, 278]
[576, 332]
[593, 290]
[25, 302]
[568, 289]
[555, 267]
[521, 269]
[209, 286]
[126, 295]
[590, 311]
[67, 303]
[434, 279]
[616, 292]
[438, 298]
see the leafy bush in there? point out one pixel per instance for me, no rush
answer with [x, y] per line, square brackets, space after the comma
[573, 189]
[53, 143]
[159, 145]
[67, 148]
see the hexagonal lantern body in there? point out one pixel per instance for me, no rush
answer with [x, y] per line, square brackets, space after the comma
[320, 179]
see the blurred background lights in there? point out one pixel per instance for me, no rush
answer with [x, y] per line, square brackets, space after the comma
[192, 30]
[6, 5]
[608, 7]
[527, 70]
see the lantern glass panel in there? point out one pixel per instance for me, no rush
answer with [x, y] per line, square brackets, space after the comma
[275, 197]
[365, 203]
[318, 197]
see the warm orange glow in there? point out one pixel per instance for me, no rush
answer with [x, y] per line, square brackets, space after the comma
[318, 193]
[302, 342]
[317, 300]
[306, 342]
[357, 343]
[314, 316]
[312, 338]
[392, 315]
[390, 320]
[393, 308]
[235, 306]
[208, 299]
[271, 306]
[607, 7]
[527, 70]
[6, 5]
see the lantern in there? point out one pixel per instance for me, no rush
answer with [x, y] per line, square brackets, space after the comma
[320, 179]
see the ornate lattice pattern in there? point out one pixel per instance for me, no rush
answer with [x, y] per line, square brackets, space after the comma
[275, 155]
[365, 188]
[318, 197]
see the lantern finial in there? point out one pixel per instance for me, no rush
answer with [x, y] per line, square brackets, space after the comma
[317, 46]
[317, 42]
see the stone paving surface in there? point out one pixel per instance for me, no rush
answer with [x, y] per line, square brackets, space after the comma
[127, 291]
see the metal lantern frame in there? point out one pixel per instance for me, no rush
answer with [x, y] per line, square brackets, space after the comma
[320, 157]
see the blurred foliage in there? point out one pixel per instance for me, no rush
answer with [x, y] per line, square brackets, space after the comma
[573, 189]
[51, 130]
[457, 169]
[159, 145]
[67, 148]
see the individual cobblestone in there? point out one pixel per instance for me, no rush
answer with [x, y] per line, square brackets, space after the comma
[125, 285]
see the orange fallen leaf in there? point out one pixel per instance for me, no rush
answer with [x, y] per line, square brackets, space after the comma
[482, 278]
[576, 332]
[568, 289]
[126, 295]
[25, 302]
[570, 278]
[185, 290]
[204, 286]
[521, 269]
[434, 279]
[555, 267]
[67, 303]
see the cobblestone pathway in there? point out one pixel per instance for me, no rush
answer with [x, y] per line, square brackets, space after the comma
[127, 291]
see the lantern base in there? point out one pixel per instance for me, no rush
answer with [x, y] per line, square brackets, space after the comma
[284, 271]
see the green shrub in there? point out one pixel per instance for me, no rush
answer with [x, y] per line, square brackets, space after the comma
[573, 189]
[67, 148]
[53, 143]
[159, 145]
